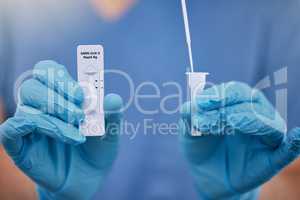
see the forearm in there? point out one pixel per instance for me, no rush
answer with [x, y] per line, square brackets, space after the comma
[283, 186]
[14, 185]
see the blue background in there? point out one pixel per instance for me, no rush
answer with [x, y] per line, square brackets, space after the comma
[239, 40]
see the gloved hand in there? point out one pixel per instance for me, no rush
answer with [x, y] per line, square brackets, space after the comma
[243, 143]
[43, 138]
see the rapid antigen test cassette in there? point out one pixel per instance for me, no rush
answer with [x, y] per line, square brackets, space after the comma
[90, 68]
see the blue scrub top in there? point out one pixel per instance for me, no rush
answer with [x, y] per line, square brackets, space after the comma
[254, 41]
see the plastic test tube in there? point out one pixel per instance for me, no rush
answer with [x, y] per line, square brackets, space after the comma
[196, 83]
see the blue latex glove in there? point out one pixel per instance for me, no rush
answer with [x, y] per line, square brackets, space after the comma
[44, 141]
[243, 143]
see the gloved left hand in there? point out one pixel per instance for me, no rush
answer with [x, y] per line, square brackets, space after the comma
[43, 138]
[243, 145]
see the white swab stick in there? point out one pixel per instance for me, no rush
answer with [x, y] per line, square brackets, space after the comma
[187, 33]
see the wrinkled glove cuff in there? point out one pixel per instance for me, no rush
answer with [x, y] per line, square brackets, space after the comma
[251, 195]
[44, 195]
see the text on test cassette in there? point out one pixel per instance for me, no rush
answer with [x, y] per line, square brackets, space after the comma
[90, 68]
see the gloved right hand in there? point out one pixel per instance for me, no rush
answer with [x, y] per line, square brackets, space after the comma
[243, 143]
[44, 141]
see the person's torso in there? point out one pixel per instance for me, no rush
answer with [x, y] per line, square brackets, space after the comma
[249, 41]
